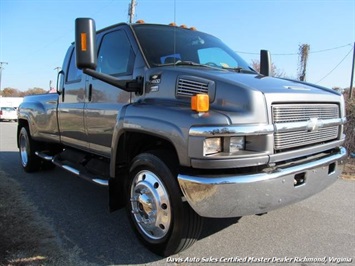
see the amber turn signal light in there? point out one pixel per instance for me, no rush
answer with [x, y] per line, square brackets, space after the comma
[83, 42]
[200, 102]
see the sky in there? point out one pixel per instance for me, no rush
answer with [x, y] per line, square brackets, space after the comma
[35, 34]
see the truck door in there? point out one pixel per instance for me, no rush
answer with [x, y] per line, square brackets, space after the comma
[71, 105]
[116, 58]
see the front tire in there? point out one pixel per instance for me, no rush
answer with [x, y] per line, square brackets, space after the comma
[29, 160]
[163, 222]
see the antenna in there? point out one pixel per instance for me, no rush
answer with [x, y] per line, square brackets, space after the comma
[174, 27]
[175, 12]
[132, 10]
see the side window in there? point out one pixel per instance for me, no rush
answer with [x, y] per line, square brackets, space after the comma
[115, 55]
[74, 74]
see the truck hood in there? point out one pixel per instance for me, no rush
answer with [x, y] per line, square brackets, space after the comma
[273, 85]
[241, 97]
[247, 98]
[266, 85]
[292, 90]
[262, 92]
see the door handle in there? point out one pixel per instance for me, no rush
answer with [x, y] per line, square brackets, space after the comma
[90, 93]
[63, 92]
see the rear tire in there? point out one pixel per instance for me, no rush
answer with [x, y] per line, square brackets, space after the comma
[163, 222]
[29, 160]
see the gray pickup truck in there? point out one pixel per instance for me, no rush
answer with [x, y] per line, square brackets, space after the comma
[179, 127]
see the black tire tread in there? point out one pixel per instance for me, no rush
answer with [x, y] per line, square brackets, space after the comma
[34, 162]
[195, 221]
[192, 224]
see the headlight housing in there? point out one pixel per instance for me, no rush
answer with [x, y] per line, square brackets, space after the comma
[236, 144]
[223, 144]
[212, 146]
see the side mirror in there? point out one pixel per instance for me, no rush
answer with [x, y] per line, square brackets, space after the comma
[265, 63]
[85, 43]
[60, 82]
[86, 57]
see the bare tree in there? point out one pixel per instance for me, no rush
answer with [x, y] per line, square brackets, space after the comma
[275, 72]
[35, 90]
[11, 92]
[349, 128]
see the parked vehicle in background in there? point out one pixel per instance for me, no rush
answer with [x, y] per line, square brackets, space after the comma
[179, 127]
[8, 114]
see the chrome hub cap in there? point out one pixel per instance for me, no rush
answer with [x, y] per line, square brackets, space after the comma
[23, 149]
[150, 205]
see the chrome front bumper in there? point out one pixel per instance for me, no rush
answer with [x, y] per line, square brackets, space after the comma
[239, 195]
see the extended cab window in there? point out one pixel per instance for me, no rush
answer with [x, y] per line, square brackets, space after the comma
[115, 54]
[74, 74]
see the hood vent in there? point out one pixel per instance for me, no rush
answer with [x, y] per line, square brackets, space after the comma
[188, 86]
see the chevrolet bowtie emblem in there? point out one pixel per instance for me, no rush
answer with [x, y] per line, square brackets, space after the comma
[314, 124]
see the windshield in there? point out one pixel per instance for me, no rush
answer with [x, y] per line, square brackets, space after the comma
[167, 45]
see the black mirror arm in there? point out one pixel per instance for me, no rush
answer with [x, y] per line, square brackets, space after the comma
[126, 85]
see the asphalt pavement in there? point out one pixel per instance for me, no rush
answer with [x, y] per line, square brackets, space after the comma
[317, 231]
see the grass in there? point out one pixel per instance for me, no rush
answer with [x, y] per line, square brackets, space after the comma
[25, 237]
[349, 170]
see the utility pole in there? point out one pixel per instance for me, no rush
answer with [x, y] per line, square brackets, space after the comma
[303, 55]
[1, 68]
[352, 75]
[132, 10]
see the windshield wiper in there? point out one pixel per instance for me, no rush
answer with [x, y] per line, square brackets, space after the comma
[185, 63]
[241, 70]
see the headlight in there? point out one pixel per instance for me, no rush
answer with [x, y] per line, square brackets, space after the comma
[212, 145]
[228, 145]
[236, 144]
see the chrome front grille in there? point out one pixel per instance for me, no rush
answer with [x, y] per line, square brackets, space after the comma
[287, 140]
[302, 112]
[299, 125]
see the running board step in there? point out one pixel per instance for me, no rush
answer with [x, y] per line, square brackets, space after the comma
[87, 176]
[44, 156]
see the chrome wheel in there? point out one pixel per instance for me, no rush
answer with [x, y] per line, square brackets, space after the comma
[27, 147]
[150, 205]
[24, 149]
[161, 219]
